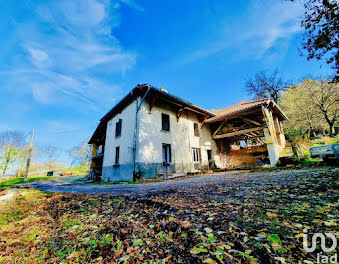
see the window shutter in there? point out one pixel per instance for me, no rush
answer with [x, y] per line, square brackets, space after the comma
[196, 130]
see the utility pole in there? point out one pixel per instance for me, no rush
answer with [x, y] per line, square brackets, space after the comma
[29, 155]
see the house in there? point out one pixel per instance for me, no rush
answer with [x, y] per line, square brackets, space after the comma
[151, 132]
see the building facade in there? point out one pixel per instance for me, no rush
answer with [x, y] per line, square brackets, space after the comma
[151, 133]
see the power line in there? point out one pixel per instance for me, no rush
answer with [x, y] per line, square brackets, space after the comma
[69, 131]
[26, 135]
[63, 132]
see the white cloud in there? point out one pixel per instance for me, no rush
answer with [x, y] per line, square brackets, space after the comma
[70, 54]
[133, 4]
[262, 26]
[39, 57]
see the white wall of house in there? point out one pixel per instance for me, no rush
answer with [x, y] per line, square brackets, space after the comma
[181, 137]
[124, 141]
[149, 156]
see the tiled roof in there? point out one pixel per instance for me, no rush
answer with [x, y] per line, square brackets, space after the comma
[237, 108]
[140, 90]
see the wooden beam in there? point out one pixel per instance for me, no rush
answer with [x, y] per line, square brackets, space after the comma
[269, 121]
[251, 121]
[234, 115]
[154, 98]
[216, 131]
[179, 112]
[239, 132]
[203, 121]
[266, 117]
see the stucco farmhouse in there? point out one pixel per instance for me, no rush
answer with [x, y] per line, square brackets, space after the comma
[151, 132]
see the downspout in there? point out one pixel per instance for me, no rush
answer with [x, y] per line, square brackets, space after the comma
[189, 143]
[137, 108]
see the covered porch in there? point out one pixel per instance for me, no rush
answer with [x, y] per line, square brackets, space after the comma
[249, 134]
[98, 150]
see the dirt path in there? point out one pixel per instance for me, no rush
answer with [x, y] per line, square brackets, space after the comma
[243, 183]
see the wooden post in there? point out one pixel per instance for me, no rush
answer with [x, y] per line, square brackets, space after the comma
[94, 152]
[271, 137]
[29, 155]
[235, 133]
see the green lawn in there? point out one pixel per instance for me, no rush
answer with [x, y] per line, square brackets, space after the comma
[76, 171]
[79, 170]
[325, 141]
[13, 180]
[308, 161]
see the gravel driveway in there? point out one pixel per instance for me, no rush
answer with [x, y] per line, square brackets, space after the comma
[240, 183]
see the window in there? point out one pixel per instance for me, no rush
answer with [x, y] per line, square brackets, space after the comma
[118, 128]
[165, 122]
[209, 154]
[166, 153]
[196, 130]
[196, 154]
[117, 154]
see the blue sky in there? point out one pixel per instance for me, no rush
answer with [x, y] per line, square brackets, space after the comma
[64, 64]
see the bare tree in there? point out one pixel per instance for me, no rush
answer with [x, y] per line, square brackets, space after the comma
[325, 96]
[266, 85]
[51, 154]
[80, 154]
[311, 106]
[302, 113]
[11, 143]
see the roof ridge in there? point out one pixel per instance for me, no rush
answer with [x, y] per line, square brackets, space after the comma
[244, 103]
[258, 100]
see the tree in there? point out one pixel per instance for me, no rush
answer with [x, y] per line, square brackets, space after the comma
[302, 113]
[22, 161]
[321, 38]
[80, 154]
[51, 153]
[11, 143]
[266, 85]
[311, 106]
[325, 96]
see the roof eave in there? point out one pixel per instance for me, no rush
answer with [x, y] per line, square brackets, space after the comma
[234, 114]
[280, 110]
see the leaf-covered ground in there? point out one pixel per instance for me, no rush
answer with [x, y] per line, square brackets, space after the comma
[244, 222]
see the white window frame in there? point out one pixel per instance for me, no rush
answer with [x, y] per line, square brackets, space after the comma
[168, 149]
[196, 155]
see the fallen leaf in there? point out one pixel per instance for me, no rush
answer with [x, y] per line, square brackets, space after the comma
[119, 252]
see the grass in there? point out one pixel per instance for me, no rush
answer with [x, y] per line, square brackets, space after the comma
[13, 181]
[325, 141]
[307, 160]
[78, 170]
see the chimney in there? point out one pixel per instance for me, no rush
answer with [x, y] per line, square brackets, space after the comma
[163, 90]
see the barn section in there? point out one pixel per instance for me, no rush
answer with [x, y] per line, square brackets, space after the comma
[248, 134]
